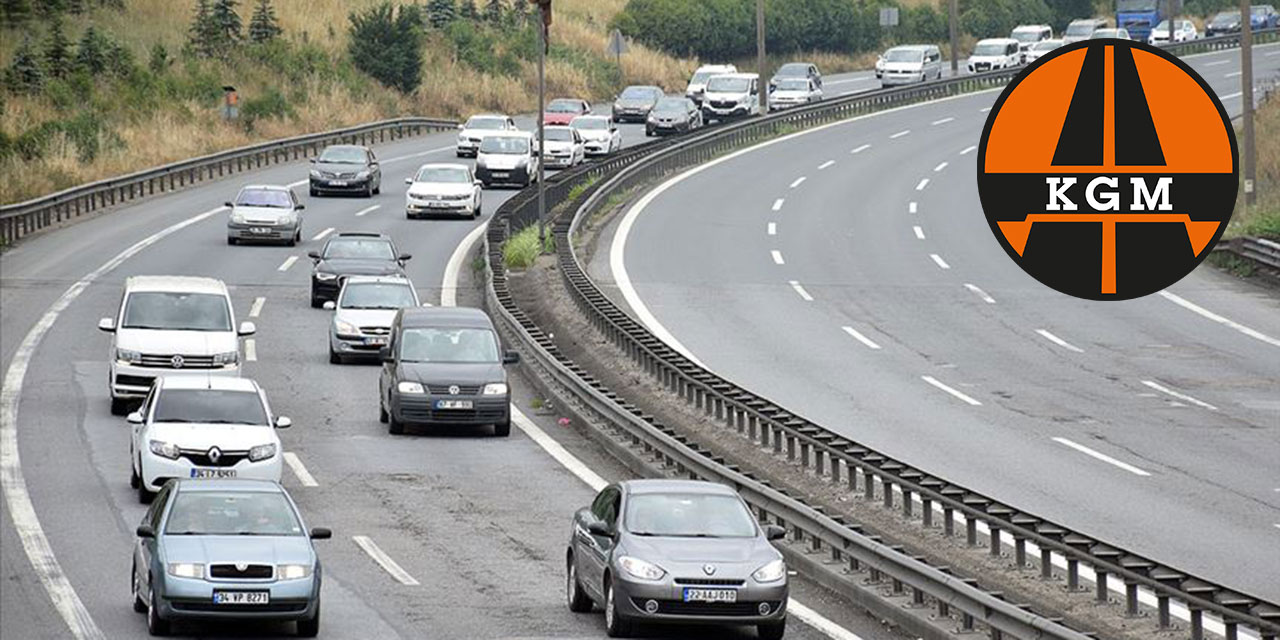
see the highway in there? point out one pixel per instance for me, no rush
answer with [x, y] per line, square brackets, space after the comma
[848, 274]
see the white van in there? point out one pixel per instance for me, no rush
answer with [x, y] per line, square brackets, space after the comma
[1082, 29]
[1028, 35]
[994, 53]
[731, 95]
[698, 83]
[908, 64]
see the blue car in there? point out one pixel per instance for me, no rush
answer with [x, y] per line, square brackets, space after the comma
[1263, 16]
[226, 550]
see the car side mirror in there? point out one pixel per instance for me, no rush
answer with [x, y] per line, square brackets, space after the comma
[145, 531]
[283, 422]
[314, 255]
[536, 153]
[510, 357]
[107, 324]
[321, 533]
[404, 257]
[461, 127]
[330, 305]
[247, 329]
[774, 532]
[299, 207]
[408, 180]
[134, 417]
[599, 528]
[228, 204]
[314, 160]
[384, 354]
[478, 183]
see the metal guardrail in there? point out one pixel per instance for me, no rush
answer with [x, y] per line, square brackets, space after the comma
[24, 218]
[1260, 250]
[825, 453]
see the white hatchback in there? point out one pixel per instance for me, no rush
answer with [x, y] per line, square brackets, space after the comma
[995, 53]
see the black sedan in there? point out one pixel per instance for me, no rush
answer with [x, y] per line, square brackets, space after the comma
[352, 254]
[346, 168]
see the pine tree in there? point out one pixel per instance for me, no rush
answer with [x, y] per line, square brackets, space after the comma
[441, 13]
[159, 61]
[200, 35]
[468, 10]
[388, 45]
[91, 53]
[74, 7]
[493, 12]
[263, 26]
[119, 58]
[49, 9]
[57, 51]
[14, 13]
[226, 25]
[24, 74]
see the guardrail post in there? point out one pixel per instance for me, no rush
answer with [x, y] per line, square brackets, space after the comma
[966, 622]
[869, 485]
[994, 538]
[971, 530]
[1197, 622]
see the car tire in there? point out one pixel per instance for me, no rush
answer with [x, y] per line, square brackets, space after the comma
[368, 190]
[502, 429]
[377, 191]
[382, 414]
[310, 627]
[615, 626]
[579, 601]
[139, 605]
[134, 480]
[394, 427]
[231, 240]
[316, 301]
[119, 406]
[334, 358]
[772, 630]
[144, 494]
[314, 192]
[156, 625]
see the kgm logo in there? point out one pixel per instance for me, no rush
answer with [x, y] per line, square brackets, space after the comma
[1108, 169]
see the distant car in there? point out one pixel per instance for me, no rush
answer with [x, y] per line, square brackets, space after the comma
[363, 313]
[1040, 48]
[600, 134]
[907, 64]
[207, 427]
[794, 92]
[1028, 35]
[509, 158]
[1263, 16]
[994, 53]
[446, 189]
[1183, 31]
[1224, 23]
[218, 550]
[806, 70]
[564, 110]
[698, 82]
[676, 551]
[346, 168]
[352, 254]
[170, 326]
[732, 95]
[1117, 34]
[673, 115]
[265, 213]
[1082, 29]
[477, 127]
[635, 102]
[564, 148]
[444, 365]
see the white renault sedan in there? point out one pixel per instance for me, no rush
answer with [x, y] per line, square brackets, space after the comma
[565, 147]
[203, 427]
[443, 189]
[600, 134]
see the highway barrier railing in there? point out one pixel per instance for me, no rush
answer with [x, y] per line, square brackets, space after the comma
[1037, 543]
[24, 218]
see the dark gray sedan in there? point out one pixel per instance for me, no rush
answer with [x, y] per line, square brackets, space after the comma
[226, 550]
[676, 551]
[346, 168]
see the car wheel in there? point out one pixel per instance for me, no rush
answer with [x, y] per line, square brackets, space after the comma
[772, 630]
[368, 190]
[502, 429]
[615, 626]
[316, 301]
[139, 605]
[314, 192]
[377, 191]
[156, 625]
[144, 494]
[119, 406]
[394, 427]
[231, 240]
[134, 480]
[292, 241]
[310, 627]
[579, 601]
[334, 358]
[382, 414]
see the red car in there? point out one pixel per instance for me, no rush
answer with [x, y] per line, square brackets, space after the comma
[564, 110]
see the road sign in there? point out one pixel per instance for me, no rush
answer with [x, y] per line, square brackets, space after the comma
[889, 16]
[617, 43]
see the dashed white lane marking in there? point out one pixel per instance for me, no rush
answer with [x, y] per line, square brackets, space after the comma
[777, 257]
[777, 204]
[967, 150]
[800, 291]
[980, 293]
[1233, 74]
[860, 149]
[798, 181]
[924, 182]
[1044, 333]
[958, 394]
[1177, 394]
[1232, 96]
[937, 259]
[255, 309]
[298, 183]
[919, 231]
[826, 164]
[942, 121]
[299, 470]
[773, 228]
[900, 134]
[870, 344]
[1218, 63]
[984, 109]
[322, 234]
[385, 561]
[288, 262]
[940, 167]
[418, 154]
[1187, 304]
[1101, 456]
[22, 513]
[251, 350]
[912, 207]
[368, 209]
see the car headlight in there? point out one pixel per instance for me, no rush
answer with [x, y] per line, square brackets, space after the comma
[326, 276]
[164, 449]
[237, 217]
[410, 387]
[345, 328]
[292, 571]
[495, 389]
[462, 139]
[128, 356]
[224, 359]
[362, 175]
[315, 173]
[640, 569]
[771, 572]
[186, 570]
[262, 452]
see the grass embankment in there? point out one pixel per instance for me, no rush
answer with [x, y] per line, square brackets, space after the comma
[521, 250]
[82, 128]
[1263, 219]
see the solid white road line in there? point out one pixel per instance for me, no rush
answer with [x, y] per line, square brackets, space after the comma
[1101, 456]
[449, 287]
[777, 256]
[1232, 96]
[296, 466]
[250, 350]
[900, 134]
[1187, 304]
[826, 164]
[298, 183]
[288, 262]
[924, 182]
[967, 150]
[1233, 74]
[870, 344]
[919, 232]
[795, 284]
[1181, 396]
[1215, 64]
[942, 121]
[367, 210]
[958, 394]
[937, 259]
[981, 294]
[773, 228]
[22, 512]
[912, 207]
[255, 309]
[777, 204]
[322, 234]
[798, 181]
[1044, 333]
[940, 167]
[385, 561]
[860, 148]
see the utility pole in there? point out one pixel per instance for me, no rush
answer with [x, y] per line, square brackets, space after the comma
[760, 82]
[1173, 14]
[544, 27]
[1246, 82]
[955, 37]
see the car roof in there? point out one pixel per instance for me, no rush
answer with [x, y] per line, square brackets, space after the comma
[225, 484]
[588, 116]
[347, 146]
[642, 86]
[714, 67]
[266, 187]
[793, 65]
[1031, 27]
[443, 165]
[209, 382]
[360, 234]
[445, 317]
[649, 485]
[376, 280]
[744, 76]
[998, 41]
[513, 134]
[489, 115]
[181, 284]
[912, 47]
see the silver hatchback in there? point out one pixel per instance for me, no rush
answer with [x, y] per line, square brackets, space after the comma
[362, 315]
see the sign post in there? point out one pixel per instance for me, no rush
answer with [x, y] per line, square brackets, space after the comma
[618, 46]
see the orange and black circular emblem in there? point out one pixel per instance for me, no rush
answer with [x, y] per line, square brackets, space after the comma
[1108, 169]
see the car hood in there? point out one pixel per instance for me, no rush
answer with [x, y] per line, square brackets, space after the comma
[975, 59]
[559, 145]
[452, 373]
[187, 343]
[636, 103]
[263, 213]
[678, 116]
[359, 267]
[201, 436]
[340, 167]
[366, 317]
[501, 160]
[594, 134]
[441, 189]
[903, 66]
[559, 118]
[782, 94]
[725, 97]
[270, 550]
[749, 552]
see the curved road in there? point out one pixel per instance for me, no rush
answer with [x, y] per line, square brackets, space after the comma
[849, 274]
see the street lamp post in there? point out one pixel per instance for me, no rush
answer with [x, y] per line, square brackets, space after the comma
[544, 27]
[760, 62]
[1246, 81]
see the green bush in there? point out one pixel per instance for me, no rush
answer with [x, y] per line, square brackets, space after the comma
[271, 104]
[997, 18]
[521, 249]
[387, 44]
[483, 48]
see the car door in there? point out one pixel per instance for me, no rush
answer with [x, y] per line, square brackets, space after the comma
[375, 171]
[146, 552]
[596, 549]
[139, 430]
[385, 377]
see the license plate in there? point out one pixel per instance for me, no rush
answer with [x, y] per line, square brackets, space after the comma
[377, 341]
[439, 205]
[501, 174]
[213, 473]
[337, 183]
[242, 597]
[262, 230]
[453, 404]
[710, 595]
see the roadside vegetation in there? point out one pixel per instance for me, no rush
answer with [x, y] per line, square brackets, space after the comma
[521, 249]
[1263, 219]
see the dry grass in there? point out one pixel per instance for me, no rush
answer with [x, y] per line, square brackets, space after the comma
[1263, 219]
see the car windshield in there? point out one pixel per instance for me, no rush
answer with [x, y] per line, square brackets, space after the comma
[1080, 28]
[504, 144]
[456, 175]
[565, 106]
[689, 515]
[376, 295]
[793, 84]
[211, 406]
[344, 155]
[557, 134]
[1227, 18]
[1046, 45]
[232, 513]
[989, 49]
[1106, 33]
[701, 77]
[670, 105]
[486, 123]
[903, 55]
[453, 345]
[176, 311]
[793, 69]
[728, 84]
[637, 93]
[1127, 6]
[592, 124]
[274, 198]
[1261, 11]
[1026, 35]
[361, 248]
